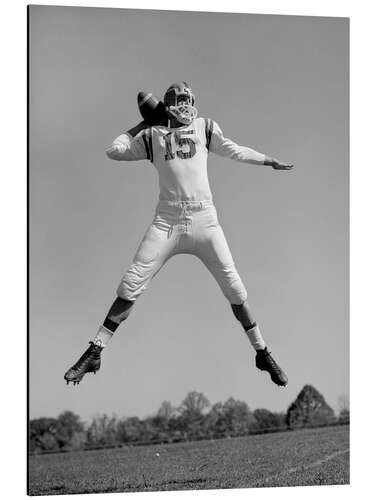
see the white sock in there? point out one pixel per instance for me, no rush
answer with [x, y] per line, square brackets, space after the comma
[256, 338]
[103, 337]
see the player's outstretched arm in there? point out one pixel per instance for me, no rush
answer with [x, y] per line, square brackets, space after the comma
[226, 147]
[277, 165]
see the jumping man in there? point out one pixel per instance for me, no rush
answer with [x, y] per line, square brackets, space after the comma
[185, 219]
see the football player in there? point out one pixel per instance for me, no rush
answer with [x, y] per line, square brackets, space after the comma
[185, 219]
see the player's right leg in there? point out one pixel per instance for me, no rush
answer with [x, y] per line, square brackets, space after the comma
[154, 250]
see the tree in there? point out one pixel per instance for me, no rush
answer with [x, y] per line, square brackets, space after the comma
[66, 432]
[191, 418]
[194, 404]
[344, 416]
[309, 409]
[280, 419]
[41, 434]
[130, 430]
[237, 417]
[268, 420]
[233, 418]
[215, 422]
[159, 426]
[344, 412]
[166, 410]
[69, 431]
[103, 431]
[177, 428]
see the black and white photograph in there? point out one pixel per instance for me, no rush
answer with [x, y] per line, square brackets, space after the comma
[188, 250]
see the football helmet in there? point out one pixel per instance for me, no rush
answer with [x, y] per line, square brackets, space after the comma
[179, 102]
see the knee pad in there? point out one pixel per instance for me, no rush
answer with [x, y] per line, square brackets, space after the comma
[233, 287]
[134, 281]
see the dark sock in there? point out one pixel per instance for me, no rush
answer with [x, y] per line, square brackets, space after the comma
[243, 315]
[119, 311]
[110, 325]
[249, 326]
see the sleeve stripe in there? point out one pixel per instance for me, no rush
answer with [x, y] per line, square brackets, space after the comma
[146, 146]
[209, 127]
[150, 146]
[206, 121]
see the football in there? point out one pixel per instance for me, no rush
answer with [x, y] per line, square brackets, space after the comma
[152, 110]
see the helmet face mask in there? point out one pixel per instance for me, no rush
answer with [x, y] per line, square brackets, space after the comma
[179, 102]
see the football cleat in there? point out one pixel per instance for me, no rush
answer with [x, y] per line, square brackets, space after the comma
[265, 362]
[89, 362]
[179, 102]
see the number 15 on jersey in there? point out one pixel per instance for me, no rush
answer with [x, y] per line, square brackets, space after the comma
[180, 144]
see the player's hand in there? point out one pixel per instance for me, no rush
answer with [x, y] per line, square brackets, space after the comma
[135, 130]
[277, 165]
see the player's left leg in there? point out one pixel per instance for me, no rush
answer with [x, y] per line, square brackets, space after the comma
[212, 248]
[263, 360]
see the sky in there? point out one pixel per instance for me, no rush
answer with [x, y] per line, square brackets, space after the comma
[278, 84]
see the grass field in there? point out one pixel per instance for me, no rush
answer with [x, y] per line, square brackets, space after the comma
[306, 457]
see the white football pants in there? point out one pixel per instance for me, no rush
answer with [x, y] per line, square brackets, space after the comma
[183, 227]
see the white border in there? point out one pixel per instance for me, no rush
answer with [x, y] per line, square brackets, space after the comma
[13, 210]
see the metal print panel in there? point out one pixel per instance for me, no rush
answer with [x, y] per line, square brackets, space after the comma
[188, 250]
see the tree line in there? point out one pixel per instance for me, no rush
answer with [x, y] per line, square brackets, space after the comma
[194, 419]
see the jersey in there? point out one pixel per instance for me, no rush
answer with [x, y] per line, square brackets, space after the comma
[180, 156]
